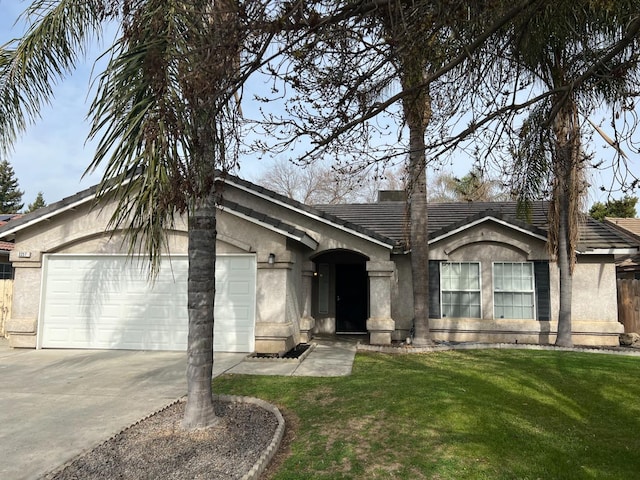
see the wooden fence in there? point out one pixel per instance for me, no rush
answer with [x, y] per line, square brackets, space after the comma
[629, 304]
[6, 294]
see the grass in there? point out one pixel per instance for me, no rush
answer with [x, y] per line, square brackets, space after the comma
[482, 414]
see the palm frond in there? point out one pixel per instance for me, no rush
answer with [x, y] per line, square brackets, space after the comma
[163, 118]
[58, 36]
[532, 161]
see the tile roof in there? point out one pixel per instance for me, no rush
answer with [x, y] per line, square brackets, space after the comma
[383, 222]
[360, 228]
[7, 217]
[389, 218]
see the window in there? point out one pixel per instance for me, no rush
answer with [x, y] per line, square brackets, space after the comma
[323, 288]
[460, 286]
[514, 294]
[6, 271]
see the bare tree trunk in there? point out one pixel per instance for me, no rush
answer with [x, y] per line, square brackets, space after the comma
[199, 412]
[217, 55]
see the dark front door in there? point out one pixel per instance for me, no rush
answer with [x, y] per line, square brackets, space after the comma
[351, 298]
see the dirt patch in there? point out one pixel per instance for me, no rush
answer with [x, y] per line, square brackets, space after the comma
[322, 396]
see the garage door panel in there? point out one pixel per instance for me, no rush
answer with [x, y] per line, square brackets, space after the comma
[57, 335]
[232, 314]
[106, 302]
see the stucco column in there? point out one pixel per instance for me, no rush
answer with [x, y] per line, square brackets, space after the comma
[307, 322]
[22, 325]
[380, 324]
[276, 328]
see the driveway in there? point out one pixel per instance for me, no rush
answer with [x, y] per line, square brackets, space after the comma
[55, 404]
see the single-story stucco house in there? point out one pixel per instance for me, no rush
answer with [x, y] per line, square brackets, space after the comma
[286, 271]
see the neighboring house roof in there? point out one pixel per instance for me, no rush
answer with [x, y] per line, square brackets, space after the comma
[630, 227]
[390, 218]
[4, 219]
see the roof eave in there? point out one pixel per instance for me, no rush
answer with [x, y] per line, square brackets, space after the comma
[609, 251]
[9, 233]
[303, 237]
[389, 245]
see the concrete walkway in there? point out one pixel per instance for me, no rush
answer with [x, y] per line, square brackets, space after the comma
[55, 404]
[328, 358]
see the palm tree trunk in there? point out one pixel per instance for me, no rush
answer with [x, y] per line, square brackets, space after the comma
[419, 235]
[563, 222]
[412, 60]
[417, 114]
[563, 338]
[199, 411]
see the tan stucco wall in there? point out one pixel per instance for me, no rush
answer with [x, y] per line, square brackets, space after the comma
[486, 242]
[81, 231]
[594, 295]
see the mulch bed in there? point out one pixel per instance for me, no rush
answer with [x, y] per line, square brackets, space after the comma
[158, 447]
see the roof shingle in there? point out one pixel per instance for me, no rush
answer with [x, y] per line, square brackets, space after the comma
[390, 219]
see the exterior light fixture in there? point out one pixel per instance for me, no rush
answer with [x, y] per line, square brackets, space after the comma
[272, 258]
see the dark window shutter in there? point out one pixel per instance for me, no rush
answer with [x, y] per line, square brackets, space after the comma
[543, 293]
[434, 289]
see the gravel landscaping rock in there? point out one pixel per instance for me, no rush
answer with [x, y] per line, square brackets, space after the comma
[157, 447]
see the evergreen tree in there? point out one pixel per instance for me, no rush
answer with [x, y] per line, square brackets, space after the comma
[37, 203]
[623, 208]
[10, 194]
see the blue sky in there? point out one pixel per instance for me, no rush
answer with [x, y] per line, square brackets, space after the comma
[53, 154]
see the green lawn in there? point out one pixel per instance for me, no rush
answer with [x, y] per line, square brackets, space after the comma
[481, 414]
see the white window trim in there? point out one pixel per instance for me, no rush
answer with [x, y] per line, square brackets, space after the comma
[479, 287]
[532, 291]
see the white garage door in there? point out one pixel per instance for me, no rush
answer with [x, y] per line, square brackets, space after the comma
[104, 301]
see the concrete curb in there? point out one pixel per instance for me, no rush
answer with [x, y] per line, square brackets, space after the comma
[254, 472]
[272, 448]
[408, 349]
